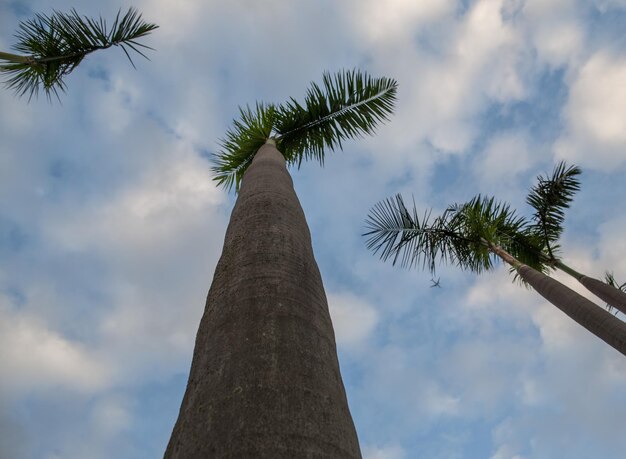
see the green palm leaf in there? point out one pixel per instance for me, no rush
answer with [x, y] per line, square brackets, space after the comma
[52, 46]
[400, 235]
[347, 105]
[488, 223]
[550, 197]
[248, 134]
[462, 235]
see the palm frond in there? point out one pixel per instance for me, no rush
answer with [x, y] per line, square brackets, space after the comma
[483, 218]
[462, 235]
[52, 47]
[248, 134]
[348, 104]
[550, 197]
[400, 235]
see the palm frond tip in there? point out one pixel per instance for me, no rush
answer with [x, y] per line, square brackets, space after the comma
[52, 46]
[348, 104]
[549, 198]
[403, 237]
[461, 235]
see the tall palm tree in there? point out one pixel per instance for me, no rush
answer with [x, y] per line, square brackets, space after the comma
[52, 46]
[549, 198]
[473, 235]
[265, 379]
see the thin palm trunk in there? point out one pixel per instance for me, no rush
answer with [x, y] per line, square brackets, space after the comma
[601, 323]
[611, 295]
[265, 379]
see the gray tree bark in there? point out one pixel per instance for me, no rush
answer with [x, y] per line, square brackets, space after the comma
[265, 380]
[604, 325]
[613, 296]
[606, 292]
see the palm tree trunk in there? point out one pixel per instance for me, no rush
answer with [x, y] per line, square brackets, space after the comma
[265, 380]
[601, 323]
[604, 325]
[611, 295]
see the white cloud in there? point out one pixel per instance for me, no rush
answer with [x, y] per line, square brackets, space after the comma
[176, 20]
[556, 31]
[35, 358]
[489, 48]
[533, 376]
[559, 43]
[505, 452]
[494, 296]
[576, 380]
[16, 116]
[605, 5]
[480, 63]
[494, 349]
[354, 319]
[111, 416]
[171, 196]
[612, 247]
[385, 452]
[159, 239]
[397, 20]
[395, 381]
[115, 108]
[596, 120]
[151, 335]
[597, 98]
[447, 79]
[559, 333]
[505, 436]
[503, 162]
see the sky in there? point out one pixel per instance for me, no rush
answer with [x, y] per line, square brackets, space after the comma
[111, 225]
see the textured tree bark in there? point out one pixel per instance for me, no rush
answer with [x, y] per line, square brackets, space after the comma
[613, 296]
[265, 380]
[606, 292]
[604, 325]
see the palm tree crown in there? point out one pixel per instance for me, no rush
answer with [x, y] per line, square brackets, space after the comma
[52, 46]
[474, 234]
[347, 105]
[463, 235]
[549, 198]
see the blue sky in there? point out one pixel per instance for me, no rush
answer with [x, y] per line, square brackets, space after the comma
[110, 225]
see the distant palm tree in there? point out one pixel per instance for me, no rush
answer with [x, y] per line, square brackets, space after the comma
[609, 278]
[549, 198]
[473, 235]
[265, 379]
[52, 46]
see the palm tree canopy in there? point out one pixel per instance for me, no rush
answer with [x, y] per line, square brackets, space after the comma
[52, 47]
[549, 198]
[462, 235]
[347, 105]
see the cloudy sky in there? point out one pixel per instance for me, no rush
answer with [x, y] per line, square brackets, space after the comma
[110, 224]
